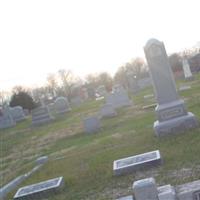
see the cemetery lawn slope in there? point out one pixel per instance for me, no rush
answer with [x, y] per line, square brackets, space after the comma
[85, 161]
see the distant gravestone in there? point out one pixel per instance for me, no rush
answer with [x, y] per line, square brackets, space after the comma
[26, 112]
[132, 82]
[118, 98]
[40, 190]
[171, 112]
[186, 69]
[62, 105]
[133, 163]
[91, 124]
[41, 116]
[6, 119]
[107, 110]
[17, 113]
[76, 101]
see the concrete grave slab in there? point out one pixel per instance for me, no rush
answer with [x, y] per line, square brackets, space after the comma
[149, 106]
[40, 190]
[184, 87]
[130, 197]
[133, 163]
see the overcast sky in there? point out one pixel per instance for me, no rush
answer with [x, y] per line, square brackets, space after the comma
[38, 37]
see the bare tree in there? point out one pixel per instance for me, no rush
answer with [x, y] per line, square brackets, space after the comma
[68, 80]
[52, 84]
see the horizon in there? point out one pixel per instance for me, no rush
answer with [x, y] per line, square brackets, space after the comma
[41, 37]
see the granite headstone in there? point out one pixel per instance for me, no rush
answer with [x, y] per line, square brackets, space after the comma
[171, 111]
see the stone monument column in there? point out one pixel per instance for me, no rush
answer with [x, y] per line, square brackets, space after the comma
[171, 111]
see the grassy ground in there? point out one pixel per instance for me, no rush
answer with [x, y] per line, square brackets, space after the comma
[86, 161]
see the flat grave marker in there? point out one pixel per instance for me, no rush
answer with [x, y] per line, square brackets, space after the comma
[40, 190]
[133, 163]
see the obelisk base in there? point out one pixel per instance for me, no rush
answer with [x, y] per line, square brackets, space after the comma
[176, 125]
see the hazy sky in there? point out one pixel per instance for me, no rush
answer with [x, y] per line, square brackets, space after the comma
[38, 37]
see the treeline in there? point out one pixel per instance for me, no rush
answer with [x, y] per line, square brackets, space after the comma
[65, 83]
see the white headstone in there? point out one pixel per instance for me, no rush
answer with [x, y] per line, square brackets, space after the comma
[186, 69]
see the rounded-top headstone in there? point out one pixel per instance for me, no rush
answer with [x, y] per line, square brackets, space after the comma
[17, 113]
[62, 105]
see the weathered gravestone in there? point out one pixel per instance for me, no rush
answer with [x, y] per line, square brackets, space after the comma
[76, 101]
[17, 113]
[40, 190]
[118, 98]
[6, 119]
[186, 69]
[91, 124]
[62, 105]
[171, 112]
[146, 189]
[134, 163]
[107, 110]
[41, 116]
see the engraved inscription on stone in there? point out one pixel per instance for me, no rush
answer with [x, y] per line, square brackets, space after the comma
[172, 113]
[37, 189]
[137, 159]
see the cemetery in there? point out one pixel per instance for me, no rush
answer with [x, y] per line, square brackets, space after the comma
[141, 144]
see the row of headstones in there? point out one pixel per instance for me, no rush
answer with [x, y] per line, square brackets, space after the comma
[146, 189]
[117, 99]
[10, 115]
[45, 114]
